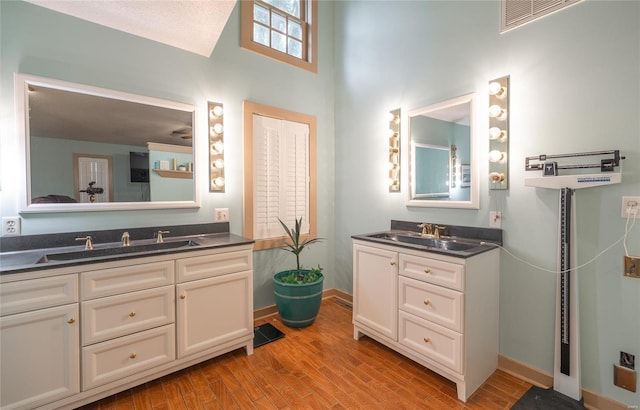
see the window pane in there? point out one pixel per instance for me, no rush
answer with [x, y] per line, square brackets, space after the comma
[260, 34]
[295, 48]
[261, 14]
[278, 41]
[279, 22]
[288, 6]
[295, 29]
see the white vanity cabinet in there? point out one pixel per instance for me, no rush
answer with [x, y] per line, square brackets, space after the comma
[375, 290]
[438, 310]
[75, 334]
[127, 320]
[40, 341]
[214, 301]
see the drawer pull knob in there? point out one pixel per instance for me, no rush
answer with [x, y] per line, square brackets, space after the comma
[132, 356]
[427, 270]
[426, 302]
[427, 340]
[182, 296]
[71, 321]
[392, 263]
[132, 314]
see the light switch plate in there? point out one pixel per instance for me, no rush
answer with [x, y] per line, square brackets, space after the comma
[222, 214]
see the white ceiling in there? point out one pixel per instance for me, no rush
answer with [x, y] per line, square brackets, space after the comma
[193, 25]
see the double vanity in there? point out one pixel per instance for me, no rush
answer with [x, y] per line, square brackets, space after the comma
[75, 328]
[434, 300]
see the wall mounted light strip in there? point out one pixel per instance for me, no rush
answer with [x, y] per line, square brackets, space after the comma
[394, 150]
[216, 147]
[498, 133]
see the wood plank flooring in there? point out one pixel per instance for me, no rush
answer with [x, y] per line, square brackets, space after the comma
[318, 367]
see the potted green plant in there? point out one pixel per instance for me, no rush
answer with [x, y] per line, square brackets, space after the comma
[298, 292]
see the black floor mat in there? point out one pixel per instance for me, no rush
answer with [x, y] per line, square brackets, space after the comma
[265, 333]
[537, 398]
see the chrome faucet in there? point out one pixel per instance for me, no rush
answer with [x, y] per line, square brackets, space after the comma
[160, 238]
[125, 239]
[426, 230]
[88, 245]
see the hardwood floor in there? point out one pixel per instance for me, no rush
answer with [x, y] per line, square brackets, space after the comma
[319, 367]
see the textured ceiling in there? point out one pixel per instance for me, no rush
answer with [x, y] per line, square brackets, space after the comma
[193, 26]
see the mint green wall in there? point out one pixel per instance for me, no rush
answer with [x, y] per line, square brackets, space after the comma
[38, 41]
[575, 86]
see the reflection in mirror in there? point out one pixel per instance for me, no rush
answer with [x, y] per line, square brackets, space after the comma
[88, 148]
[442, 161]
[434, 184]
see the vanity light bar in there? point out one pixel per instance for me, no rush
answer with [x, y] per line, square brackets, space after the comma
[216, 147]
[498, 133]
[394, 150]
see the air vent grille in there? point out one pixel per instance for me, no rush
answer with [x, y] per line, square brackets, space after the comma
[515, 13]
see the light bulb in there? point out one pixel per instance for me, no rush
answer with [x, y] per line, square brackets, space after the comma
[217, 111]
[390, 133]
[218, 163]
[496, 133]
[217, 128]
[497, 156]
[496, 89]
[217, 148]
[495, 111]
[496, 177]
[391, 117]
[219, 182]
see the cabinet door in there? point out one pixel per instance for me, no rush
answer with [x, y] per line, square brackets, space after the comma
[375, 289]
[214, 311]
[40, 356]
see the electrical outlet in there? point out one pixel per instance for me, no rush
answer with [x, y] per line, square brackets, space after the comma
[222, 214]
[10, 226]
[495, 219]
[630, 205]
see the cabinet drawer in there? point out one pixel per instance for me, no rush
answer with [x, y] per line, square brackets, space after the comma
[431, 340]
[114, 316]
[434, 303]
[16, 297]
[118, 358]
[433, 271]
[201, 267]
[107, 282]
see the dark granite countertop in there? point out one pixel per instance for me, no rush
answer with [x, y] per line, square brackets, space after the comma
[475, 240]
[37, 252]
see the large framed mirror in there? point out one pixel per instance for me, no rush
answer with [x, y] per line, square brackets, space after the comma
[92, 149]
[442, 161]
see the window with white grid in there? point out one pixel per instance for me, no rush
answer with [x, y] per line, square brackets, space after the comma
[285, 30]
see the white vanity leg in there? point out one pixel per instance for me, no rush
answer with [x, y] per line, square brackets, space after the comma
[249, 348]
[462, 391]
[356, 333]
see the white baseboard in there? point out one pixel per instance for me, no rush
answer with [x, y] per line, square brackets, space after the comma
[537, 377]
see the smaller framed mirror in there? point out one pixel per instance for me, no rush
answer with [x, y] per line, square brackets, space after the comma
[442, 159]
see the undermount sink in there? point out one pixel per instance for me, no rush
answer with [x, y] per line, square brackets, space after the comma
[95, 253]
[432, 243]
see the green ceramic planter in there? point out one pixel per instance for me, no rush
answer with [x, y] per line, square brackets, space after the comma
[298, 304]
